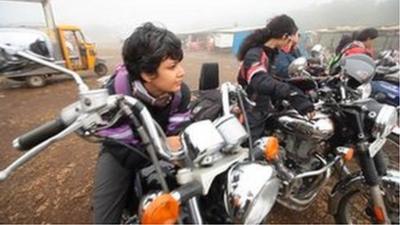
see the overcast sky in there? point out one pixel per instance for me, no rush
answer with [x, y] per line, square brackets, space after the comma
[120, 17]
[177, 15]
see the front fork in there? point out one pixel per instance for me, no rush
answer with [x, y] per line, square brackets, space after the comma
[373, 169]
[194, 211]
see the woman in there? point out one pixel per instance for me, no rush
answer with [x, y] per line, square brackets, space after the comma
[153, 74]
[257, 54]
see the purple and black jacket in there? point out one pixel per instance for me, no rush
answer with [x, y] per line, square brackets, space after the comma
[172, 118]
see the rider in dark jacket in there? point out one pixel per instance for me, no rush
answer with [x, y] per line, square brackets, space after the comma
[257, 54]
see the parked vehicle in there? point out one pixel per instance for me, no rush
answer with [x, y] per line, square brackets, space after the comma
[385, 85]
[347, 122]
[64, 45]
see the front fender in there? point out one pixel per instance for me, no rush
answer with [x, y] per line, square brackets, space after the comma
[353, 183]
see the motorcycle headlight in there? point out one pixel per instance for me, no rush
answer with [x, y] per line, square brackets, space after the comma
[385, 121]
[251, 192]
[365, 90]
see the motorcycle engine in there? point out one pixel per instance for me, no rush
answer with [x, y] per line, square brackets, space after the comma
[302, 137]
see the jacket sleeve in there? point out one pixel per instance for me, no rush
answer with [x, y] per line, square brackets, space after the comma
[181, 118]
[265, 84]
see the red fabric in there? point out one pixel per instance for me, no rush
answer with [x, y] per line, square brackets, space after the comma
[357, 50]
[262, 65]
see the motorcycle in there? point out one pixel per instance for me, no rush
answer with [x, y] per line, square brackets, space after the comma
[348, 124]
[216, 180]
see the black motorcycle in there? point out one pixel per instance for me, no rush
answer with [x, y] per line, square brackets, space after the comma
[348, 124]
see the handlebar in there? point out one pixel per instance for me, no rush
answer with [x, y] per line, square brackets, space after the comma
[24, 53]
[39, 134]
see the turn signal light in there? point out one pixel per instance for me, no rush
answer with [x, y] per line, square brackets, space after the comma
[349, 154]
[380, 218]
[271, 149]
[162, 210]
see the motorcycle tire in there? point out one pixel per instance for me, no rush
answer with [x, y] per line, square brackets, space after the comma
[391, 198]
[101, 69]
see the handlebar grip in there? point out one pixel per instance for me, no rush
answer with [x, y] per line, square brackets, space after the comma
[39, 134]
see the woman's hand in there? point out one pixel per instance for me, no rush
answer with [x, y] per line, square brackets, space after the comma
[311, 115]
[174, 143]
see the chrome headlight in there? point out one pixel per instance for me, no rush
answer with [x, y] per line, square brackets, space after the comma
[251, 192]
[385, 121]
[365, 90]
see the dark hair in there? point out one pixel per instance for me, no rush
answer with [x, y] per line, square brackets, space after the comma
[367, 33]
[344, 41]
[277, 27]
[147, 47]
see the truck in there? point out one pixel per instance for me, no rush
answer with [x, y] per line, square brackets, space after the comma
[65, 45]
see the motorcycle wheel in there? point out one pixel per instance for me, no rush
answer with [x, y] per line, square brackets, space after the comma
[356, 206]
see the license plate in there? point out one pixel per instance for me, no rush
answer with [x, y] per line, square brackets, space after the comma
[375, 146]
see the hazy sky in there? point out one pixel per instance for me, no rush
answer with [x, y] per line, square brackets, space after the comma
[177, 15]
[118, 18]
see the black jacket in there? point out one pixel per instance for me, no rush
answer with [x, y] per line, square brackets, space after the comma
[263, 88]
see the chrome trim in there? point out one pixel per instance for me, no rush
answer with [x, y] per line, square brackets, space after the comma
[365, 90]
[288, 198]
[202, 138]
[385, 121]
[231, 130]
[206, 175]
[194, 211]
[319, 128]
[319, 171]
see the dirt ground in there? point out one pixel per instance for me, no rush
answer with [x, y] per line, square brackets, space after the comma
[56, 187]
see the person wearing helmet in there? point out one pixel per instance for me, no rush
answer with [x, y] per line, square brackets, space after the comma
[257, 54]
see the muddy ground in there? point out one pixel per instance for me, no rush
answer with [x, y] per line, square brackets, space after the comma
[56, 186]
